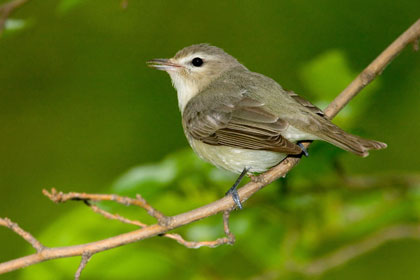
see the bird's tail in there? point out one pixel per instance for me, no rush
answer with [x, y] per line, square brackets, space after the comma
[349, 142]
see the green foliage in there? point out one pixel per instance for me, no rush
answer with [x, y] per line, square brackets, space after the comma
[327, 75]
[286, 223]
[67, 5]
[78, 107]
[313, 212]
[13, 26]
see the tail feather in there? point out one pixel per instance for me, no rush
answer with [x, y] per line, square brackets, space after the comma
[349, 142]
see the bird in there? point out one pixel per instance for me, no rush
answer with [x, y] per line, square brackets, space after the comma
[243, 121]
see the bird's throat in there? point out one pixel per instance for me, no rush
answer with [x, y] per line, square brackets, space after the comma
[185, 89]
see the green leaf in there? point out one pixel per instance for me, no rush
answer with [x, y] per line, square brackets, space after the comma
[66, 5]
[313, 218]
[141, 178]
[12, 25]
[81, 225]
[15, 24]
[326, 76]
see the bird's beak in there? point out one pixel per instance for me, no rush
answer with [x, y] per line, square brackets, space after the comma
[163, 64]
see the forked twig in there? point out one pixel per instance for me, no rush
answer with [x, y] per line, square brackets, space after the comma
[141, 202]
[138, 201]
[85, 259]
[6, 222]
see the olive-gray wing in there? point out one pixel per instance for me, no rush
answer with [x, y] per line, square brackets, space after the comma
[305, 103]
[236, 121]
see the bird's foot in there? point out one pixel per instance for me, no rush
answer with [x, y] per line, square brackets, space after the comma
[235, 196]
[305, 152]
[233, 190]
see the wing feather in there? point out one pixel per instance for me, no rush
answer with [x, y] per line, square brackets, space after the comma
[236, 121]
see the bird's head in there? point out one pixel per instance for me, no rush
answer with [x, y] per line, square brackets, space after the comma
[193, 68]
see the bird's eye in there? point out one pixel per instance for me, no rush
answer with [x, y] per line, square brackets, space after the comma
[197, 62]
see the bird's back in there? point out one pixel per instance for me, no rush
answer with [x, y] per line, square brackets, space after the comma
[304, 120]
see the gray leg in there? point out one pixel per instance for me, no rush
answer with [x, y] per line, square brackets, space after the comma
[305, 152]
[233, 191]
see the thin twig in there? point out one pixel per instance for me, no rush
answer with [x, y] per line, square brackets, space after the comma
[138, 201]
[229, 239]
[226, 203]
[6, 222]
[229, 234]
[85, 259]
[162, 219]
[7, 9]
[61, 197]
[375, 68]
[117, 217]
[345, 254]
[352, 251]
[198, 244]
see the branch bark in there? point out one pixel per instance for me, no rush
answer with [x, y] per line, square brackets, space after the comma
[224, 204]
[24, 234]
[60, 197]
[85, 259]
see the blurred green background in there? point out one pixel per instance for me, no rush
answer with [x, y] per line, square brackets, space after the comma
[80, 111]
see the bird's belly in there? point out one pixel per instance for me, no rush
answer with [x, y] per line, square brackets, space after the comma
[236, 159]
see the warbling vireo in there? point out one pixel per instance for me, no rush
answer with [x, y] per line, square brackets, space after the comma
[243, 121]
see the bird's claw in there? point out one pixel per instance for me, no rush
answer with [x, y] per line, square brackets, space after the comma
[235, 196]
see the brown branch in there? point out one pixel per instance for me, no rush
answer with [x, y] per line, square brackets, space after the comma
[139, 201]
[24, 234]
[225, 203]
[85, 259]
[117, 217]
[7, 9]
[411, 35]
[229, 239]
[198, 244]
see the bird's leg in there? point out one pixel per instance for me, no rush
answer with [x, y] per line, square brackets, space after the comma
[234, 192]
[305, 152]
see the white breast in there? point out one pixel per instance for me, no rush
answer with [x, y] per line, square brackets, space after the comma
[236, 159]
